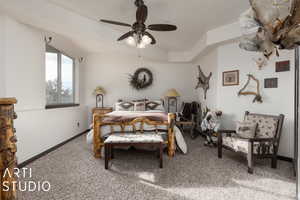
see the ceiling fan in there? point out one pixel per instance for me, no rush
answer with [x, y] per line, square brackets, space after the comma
[138, 35]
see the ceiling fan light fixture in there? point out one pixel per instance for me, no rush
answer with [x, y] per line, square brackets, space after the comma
[138, 36]
[131, 41]
[141, 45]
[146, 39]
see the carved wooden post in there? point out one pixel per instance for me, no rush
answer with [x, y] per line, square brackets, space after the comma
[171, 135]
[98, 143]
[8, 148]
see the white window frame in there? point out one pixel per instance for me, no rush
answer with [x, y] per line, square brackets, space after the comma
[50, 49]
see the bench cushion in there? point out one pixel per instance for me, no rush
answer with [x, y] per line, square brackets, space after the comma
[134, 138]
[241, 145]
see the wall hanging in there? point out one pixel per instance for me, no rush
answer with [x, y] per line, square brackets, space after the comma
[231, 78]
[203, 81]
[141, 79]
[257, 96]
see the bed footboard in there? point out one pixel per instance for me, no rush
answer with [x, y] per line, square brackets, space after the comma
[98, 143]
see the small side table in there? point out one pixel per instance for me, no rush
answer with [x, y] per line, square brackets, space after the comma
[102, 111]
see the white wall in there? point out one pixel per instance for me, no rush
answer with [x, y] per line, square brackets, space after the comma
[37, 129]
[24, 61]
[112, 73]
[276, 101]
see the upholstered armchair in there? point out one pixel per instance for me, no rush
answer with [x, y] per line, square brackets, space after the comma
[264, 144]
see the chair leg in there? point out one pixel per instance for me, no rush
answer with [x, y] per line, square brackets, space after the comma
[274, 160]
[220, 145]
[112, 154]
[158, 152]
[106, 156]
[250, 157]
[274, 163]
[192, 132]
[161, 155]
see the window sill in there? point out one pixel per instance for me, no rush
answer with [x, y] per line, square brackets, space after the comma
[62, 106]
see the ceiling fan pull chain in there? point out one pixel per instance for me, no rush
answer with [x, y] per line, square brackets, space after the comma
[140, 57]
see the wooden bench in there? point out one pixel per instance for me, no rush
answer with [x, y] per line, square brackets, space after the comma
[132, 139]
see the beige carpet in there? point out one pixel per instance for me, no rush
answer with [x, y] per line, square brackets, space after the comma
[75, 174]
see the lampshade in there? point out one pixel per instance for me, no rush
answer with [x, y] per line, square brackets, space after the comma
[172, 93]
[99, 90]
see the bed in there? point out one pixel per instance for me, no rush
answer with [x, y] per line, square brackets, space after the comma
[131, 119]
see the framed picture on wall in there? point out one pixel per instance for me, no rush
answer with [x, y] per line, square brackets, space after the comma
[271, 83]
[282, 66]
[231, 78]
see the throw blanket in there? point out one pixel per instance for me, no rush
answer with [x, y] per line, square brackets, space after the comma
[127, 116]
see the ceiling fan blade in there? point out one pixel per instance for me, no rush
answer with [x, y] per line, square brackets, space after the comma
[115, 23]
[162, 27]
[151, 36]
[126, 35]
[141, 14]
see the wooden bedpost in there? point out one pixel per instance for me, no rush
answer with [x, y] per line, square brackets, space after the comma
[171, 135]
[8, 148]
[97, 141]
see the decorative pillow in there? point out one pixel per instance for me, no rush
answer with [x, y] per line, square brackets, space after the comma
[124, 106]
[246, 129]
[139, 106]
[155, 105]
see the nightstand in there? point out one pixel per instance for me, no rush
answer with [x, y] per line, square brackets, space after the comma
[102, 111]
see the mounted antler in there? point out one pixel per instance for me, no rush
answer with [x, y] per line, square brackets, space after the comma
[269, 24]
[257, 96]
[203, 81]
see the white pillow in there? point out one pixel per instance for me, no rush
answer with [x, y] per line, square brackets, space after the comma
[246, 130]
[124, 106]
[155, 105]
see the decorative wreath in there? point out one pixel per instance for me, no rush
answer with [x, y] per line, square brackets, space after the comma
[141, 79]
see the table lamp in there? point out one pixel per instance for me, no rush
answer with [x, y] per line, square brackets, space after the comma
[99, 92]
[172, 94]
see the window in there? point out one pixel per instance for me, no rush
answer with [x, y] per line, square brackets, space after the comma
[59, 79]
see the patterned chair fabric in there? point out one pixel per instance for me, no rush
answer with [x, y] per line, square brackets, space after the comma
[134, 138]
[264, 144]
[267, 125]
[241, 145]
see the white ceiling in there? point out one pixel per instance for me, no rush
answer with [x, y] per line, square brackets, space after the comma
[77, 20]
[193, 17]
